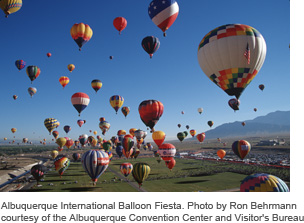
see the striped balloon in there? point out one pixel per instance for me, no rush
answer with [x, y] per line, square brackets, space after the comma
[33, 72]
[119, 150]
[32, 91]
[61, 164]
[163, 13]
[80, 101]
[51, 124]
[241, 148]
[95, 163]
[64, 81]
[96, 84]
[104, 126]
[167, 151]
[126, 169]
[262, 182]
[20, 64]
[10, 6]
[76, 156]
[140, 172]
[150, 44]
[81, 33]
[116, 102]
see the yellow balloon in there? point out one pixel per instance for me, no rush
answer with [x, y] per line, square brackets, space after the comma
[10, 6]
[54, 154]
[158, 137]
[61, 142]
[81, 33]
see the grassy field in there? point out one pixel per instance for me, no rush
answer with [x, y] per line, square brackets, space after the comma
[186, 176]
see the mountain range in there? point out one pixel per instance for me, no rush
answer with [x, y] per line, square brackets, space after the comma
[277, 122]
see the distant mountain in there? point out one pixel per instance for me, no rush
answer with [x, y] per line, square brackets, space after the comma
[273, 123]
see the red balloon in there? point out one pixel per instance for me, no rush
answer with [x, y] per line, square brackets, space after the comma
[200, 137]
[150, 112]
[120, 23]
[49, 54]
[170, 163]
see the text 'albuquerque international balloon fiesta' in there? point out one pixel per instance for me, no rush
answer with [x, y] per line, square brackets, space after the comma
[145, 96]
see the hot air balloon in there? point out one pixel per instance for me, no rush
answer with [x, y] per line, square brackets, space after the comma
[96, 85]
[38, 171]
[15, 97]
[13, 130]
[234, 104]
[243, 123]
[200, 137]
[150, 112]
[170, 163]
[119, 149]
[210, 123]
[61, 164]
[32, 91]
[10, 6]
[69, 143]
[163, 13]
[157, 156]
[126, 168]
[80, 101]
[107, 146]
[120, 23]
[261, 86]
[67, 128]
[263, 182]
[24, 140]
[158, 137]
[187, 126]
[54, 154]
[76, 156]
[50, 124]
[150, 44]
[221, 153]
[64, 81]
[80, 122]
[182, 112]
[111, 57]
[116, 102]
[140, 172]
[61, 141]
[81, 33]
[132, 131]
[179, 125]
[33, 72]
[181, 136]
[167, 152]
[104, 126]
[255, 109]
[125, 110]
[192, 132]
[55, 134]
[139, 134]
[71, 67]
[20, 64]
[150, 147]
[200, 110]
[128, 145]
[121, 132]
[232, 63]
[241, 148]
[95, 132]
[186, 133]
[48, 54]
[95, 163]
[5, 139]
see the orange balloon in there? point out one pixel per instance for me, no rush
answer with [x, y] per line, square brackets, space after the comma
[200, 137]
[221, 153]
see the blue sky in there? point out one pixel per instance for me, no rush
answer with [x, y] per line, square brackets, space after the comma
[173, 76]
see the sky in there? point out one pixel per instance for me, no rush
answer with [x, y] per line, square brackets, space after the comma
[173, 76]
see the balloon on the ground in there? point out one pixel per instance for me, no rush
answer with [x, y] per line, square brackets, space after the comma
[263, 182]
[95, 163]
[231, 56]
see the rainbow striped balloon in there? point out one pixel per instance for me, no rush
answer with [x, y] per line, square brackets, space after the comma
[126, 169]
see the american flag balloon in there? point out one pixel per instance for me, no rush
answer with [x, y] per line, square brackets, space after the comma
[163, 13]
[80, 101]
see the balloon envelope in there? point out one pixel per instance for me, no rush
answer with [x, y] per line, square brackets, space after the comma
[150, 44]
[126, 168]
[80, 101]
[140, 172]
[241, 148]
[81, 33]
[262, 182]
[120, 23]
[231, 56]
[150, 112]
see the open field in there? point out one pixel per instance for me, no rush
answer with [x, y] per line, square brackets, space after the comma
[195, 174]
